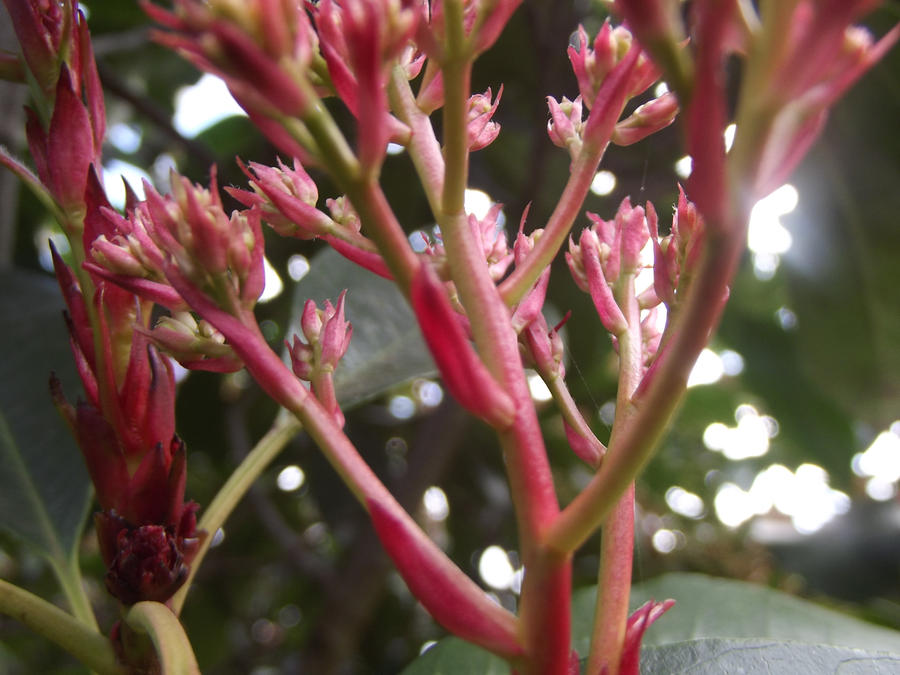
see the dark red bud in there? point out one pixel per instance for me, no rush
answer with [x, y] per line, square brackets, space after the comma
[148, 565]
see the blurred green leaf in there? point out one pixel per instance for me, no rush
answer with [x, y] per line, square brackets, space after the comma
[452, 656]
[44, 487]
[386, 348]
[706, 607]
[763, 657]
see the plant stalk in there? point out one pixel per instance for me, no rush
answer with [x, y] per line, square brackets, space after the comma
[617, 543]
[242, 478]
[81, 641]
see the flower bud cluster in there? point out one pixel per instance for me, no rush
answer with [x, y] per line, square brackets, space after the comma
[606, 251]
[261, 49]
[327, 339]
[194, 343]
[66, 127]
[360, 40]
[285, 198]
[482, 130]
[610, 71]
[185, 240]
[493, 241]
[815, 63]
[566, 125]
[676, 255]
[593, 63]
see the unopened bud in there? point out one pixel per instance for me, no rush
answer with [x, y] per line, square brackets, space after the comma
[196, 345]
[646, 119]
[482, 130]
[566, 127]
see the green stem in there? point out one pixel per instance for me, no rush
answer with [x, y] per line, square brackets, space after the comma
[531, 484]
[283, 430]
[83, 642]
[69, 576]
[456, 72]
[617, 543]
[176, 657]
[544, 609]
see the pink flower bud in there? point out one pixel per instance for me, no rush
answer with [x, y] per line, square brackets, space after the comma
[633, 225]
[327, 338]
[302, 357]
[195, 344]
[118, 258]
[258, 48]
[431, 91]
[311, 322]
[493, 241]
[343, 213]
[542, 348]
[640, 620]
[64, 153]
[336, 334]
[651, 335]
[286, 199]
[566, 127]
[646, 119]
[676, 255]
[482, 130]
[587, 268]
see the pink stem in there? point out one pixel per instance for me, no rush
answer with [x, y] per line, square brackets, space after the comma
[617, 543]
[452, 598]
[546, 594]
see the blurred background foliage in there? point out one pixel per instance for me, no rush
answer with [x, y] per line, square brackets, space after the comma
[811, 339]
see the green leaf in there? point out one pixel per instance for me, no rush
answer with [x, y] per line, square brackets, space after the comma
[452, 656]
[386, 348]
[706, 607]
[763, 657]
[716, 626]
[44, 487]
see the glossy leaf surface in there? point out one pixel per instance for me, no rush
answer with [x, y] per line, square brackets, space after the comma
[44, 487]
